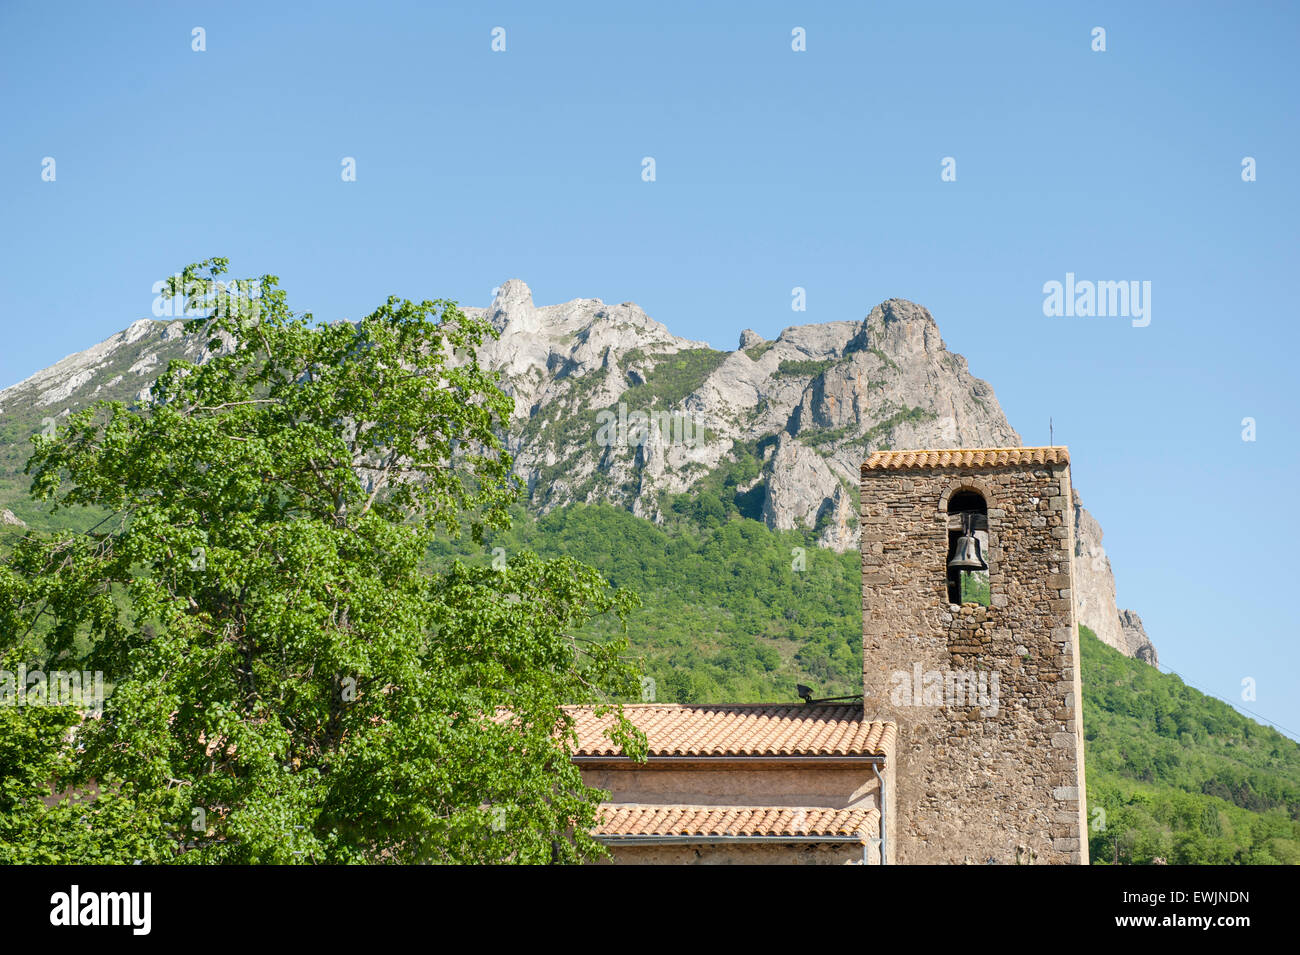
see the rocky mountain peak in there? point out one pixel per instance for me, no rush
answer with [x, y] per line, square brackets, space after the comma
[512, 309]
[899, 328]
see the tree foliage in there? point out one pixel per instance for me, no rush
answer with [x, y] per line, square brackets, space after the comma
[731, 612]
[1176, 775]
[291, 679]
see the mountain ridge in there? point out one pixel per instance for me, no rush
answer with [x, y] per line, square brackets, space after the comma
[786, 422]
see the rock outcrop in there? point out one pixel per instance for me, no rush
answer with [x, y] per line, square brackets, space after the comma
[1136, 643]
[1094, 583]
[822, 397]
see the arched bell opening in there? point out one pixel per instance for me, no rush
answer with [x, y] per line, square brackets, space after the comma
[968, 543]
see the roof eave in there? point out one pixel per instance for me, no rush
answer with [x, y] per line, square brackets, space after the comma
[783, 761]
[677, 840]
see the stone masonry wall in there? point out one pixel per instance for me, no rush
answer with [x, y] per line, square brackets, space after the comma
[990, 748]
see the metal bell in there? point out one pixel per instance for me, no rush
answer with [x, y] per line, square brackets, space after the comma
[967, 555]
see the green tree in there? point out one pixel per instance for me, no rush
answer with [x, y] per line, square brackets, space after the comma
[292, 680]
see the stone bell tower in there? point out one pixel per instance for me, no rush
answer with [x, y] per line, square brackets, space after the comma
[970, 646]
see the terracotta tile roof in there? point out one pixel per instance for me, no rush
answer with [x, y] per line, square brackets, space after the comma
[965, 458]
[665, 820]
[757, 729]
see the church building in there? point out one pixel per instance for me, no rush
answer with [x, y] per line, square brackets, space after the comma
[968, 744]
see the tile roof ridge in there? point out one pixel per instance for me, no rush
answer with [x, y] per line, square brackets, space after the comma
[796, 704]
[966, 457]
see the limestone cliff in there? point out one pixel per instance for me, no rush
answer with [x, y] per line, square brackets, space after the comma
[1094, 584]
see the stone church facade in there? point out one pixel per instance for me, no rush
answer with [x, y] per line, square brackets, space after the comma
[968, 746]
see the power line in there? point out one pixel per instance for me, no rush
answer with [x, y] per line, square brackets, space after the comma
[1274, 724]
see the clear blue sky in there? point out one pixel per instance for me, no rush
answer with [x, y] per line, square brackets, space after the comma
[775, 169]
